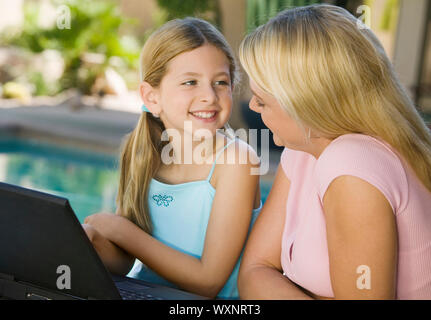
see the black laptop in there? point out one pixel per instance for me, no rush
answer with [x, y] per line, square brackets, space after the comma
[46, 254]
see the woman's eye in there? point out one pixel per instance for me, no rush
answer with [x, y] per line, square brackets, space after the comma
[258, 103]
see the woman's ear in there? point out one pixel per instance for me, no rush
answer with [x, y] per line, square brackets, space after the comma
[150, 98]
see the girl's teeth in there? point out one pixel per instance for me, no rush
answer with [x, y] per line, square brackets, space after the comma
[205, 115]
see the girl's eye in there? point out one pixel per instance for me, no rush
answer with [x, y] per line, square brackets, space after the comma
[190, 83]
[222, 83]
[194, 82]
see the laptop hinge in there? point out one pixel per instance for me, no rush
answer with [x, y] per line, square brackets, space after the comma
[10, 288]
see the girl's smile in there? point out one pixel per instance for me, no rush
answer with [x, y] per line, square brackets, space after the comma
[205, 116]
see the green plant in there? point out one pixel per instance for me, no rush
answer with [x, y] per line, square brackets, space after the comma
[260, 11]
[42, 87]
[390, 15]
[208, 9]
[94, 28]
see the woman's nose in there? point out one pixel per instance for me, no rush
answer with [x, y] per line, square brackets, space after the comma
[253, 106]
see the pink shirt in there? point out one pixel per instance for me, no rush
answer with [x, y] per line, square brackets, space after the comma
[304, 255]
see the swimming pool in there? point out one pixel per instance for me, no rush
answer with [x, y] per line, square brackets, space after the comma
[89, 179]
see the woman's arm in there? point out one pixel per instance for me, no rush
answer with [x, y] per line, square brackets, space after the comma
[362, 240]
[260, 275]
[225, 236]
[116, 260]
[361, 233]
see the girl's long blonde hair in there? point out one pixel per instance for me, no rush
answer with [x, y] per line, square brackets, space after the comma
[332, 75]
[140, 157]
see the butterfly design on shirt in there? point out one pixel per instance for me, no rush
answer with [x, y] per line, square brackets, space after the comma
[162, 200]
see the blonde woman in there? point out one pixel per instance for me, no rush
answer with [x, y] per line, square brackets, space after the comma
[185, 220]
[348, 216]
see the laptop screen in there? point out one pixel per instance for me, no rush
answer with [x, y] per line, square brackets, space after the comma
[42, 243]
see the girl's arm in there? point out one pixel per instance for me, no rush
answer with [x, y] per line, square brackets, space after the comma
[260, 275]
[116, 260]
[225, 236]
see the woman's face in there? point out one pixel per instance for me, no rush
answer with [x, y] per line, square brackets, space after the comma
[285, 130]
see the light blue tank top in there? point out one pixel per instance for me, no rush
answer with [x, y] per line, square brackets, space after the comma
[180, 214]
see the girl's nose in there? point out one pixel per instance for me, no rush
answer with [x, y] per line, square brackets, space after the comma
[209, 94]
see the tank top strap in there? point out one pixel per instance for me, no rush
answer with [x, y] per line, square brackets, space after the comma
[217, 156]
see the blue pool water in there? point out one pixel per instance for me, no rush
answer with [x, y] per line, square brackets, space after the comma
[88, 179]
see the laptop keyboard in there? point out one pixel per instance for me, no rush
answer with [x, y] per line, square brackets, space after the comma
[133, 295]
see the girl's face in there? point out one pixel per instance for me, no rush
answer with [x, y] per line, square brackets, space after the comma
[285, 130]
[197, 87]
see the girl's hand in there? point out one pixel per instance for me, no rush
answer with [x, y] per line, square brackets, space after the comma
[114, 258]
[92, 233]
[105, 223]
[95, 237]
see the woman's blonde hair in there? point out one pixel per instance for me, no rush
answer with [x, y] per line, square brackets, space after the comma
[331, 74]
[140, 157]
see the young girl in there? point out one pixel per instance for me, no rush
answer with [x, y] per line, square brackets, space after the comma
[183, 213]
[348, 216]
